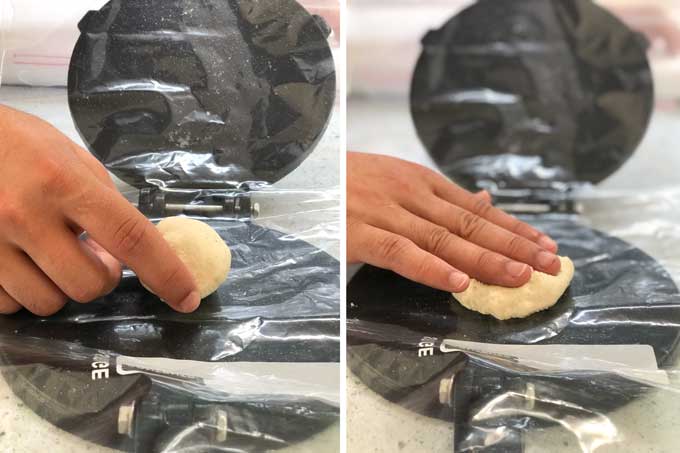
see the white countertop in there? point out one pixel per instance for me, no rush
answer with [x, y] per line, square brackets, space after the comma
[640, 204]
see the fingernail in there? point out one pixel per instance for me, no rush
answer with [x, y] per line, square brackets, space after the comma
[516, 269]
[458, 281]
[190, 303]
[546, 259]
[547, 243]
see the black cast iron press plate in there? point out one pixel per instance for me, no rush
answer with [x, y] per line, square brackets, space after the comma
[201, 93]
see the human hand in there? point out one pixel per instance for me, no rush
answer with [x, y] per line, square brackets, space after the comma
[51, 191]
[415, 222]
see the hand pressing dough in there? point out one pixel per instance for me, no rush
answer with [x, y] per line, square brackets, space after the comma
[201, 249]
[541, 292]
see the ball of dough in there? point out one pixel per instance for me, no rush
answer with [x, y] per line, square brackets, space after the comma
[542, 291]
[201, 249]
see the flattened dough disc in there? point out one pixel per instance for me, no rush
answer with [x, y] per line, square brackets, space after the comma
[541, 292]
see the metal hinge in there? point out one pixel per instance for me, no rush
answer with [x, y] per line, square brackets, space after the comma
[538, 203]
[237, 204]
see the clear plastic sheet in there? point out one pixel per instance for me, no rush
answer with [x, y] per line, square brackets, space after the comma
[223, 111]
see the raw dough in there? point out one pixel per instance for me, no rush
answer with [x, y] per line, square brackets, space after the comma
[201, 249]
[541, 292]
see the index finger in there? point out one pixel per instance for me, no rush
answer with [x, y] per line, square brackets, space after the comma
[481, 207]
[124, 232]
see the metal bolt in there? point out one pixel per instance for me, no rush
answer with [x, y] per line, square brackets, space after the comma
[445, 391]
[255, 210]
[221, 426]
[531, 396]
[206, 209]
[126, 415]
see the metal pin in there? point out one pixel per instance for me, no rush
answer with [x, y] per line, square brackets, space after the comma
[445, 390]
[198, 208]
[221, 426]
[126, 416]
[531, 396]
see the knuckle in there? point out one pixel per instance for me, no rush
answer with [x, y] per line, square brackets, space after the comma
[130, 235]
[423, 171]
[400, 183]
[422, 269]
[86, 294]
[484, 260]
[48, 306]
[89, 200]
[521, 228]
[482, 207]
[391, 247]
[11, 214]
[55, 178]
[389, 207]
[171, 276]
[9, 309]
[469, 225]
[438, 240]
[517, 245]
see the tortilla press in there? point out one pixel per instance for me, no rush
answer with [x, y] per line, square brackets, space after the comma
[532, 100]
[197, 104]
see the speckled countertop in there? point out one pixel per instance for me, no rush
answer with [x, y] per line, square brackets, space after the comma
[640, 204]
[304, 203]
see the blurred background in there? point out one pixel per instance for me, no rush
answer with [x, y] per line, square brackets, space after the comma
[383, 41]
